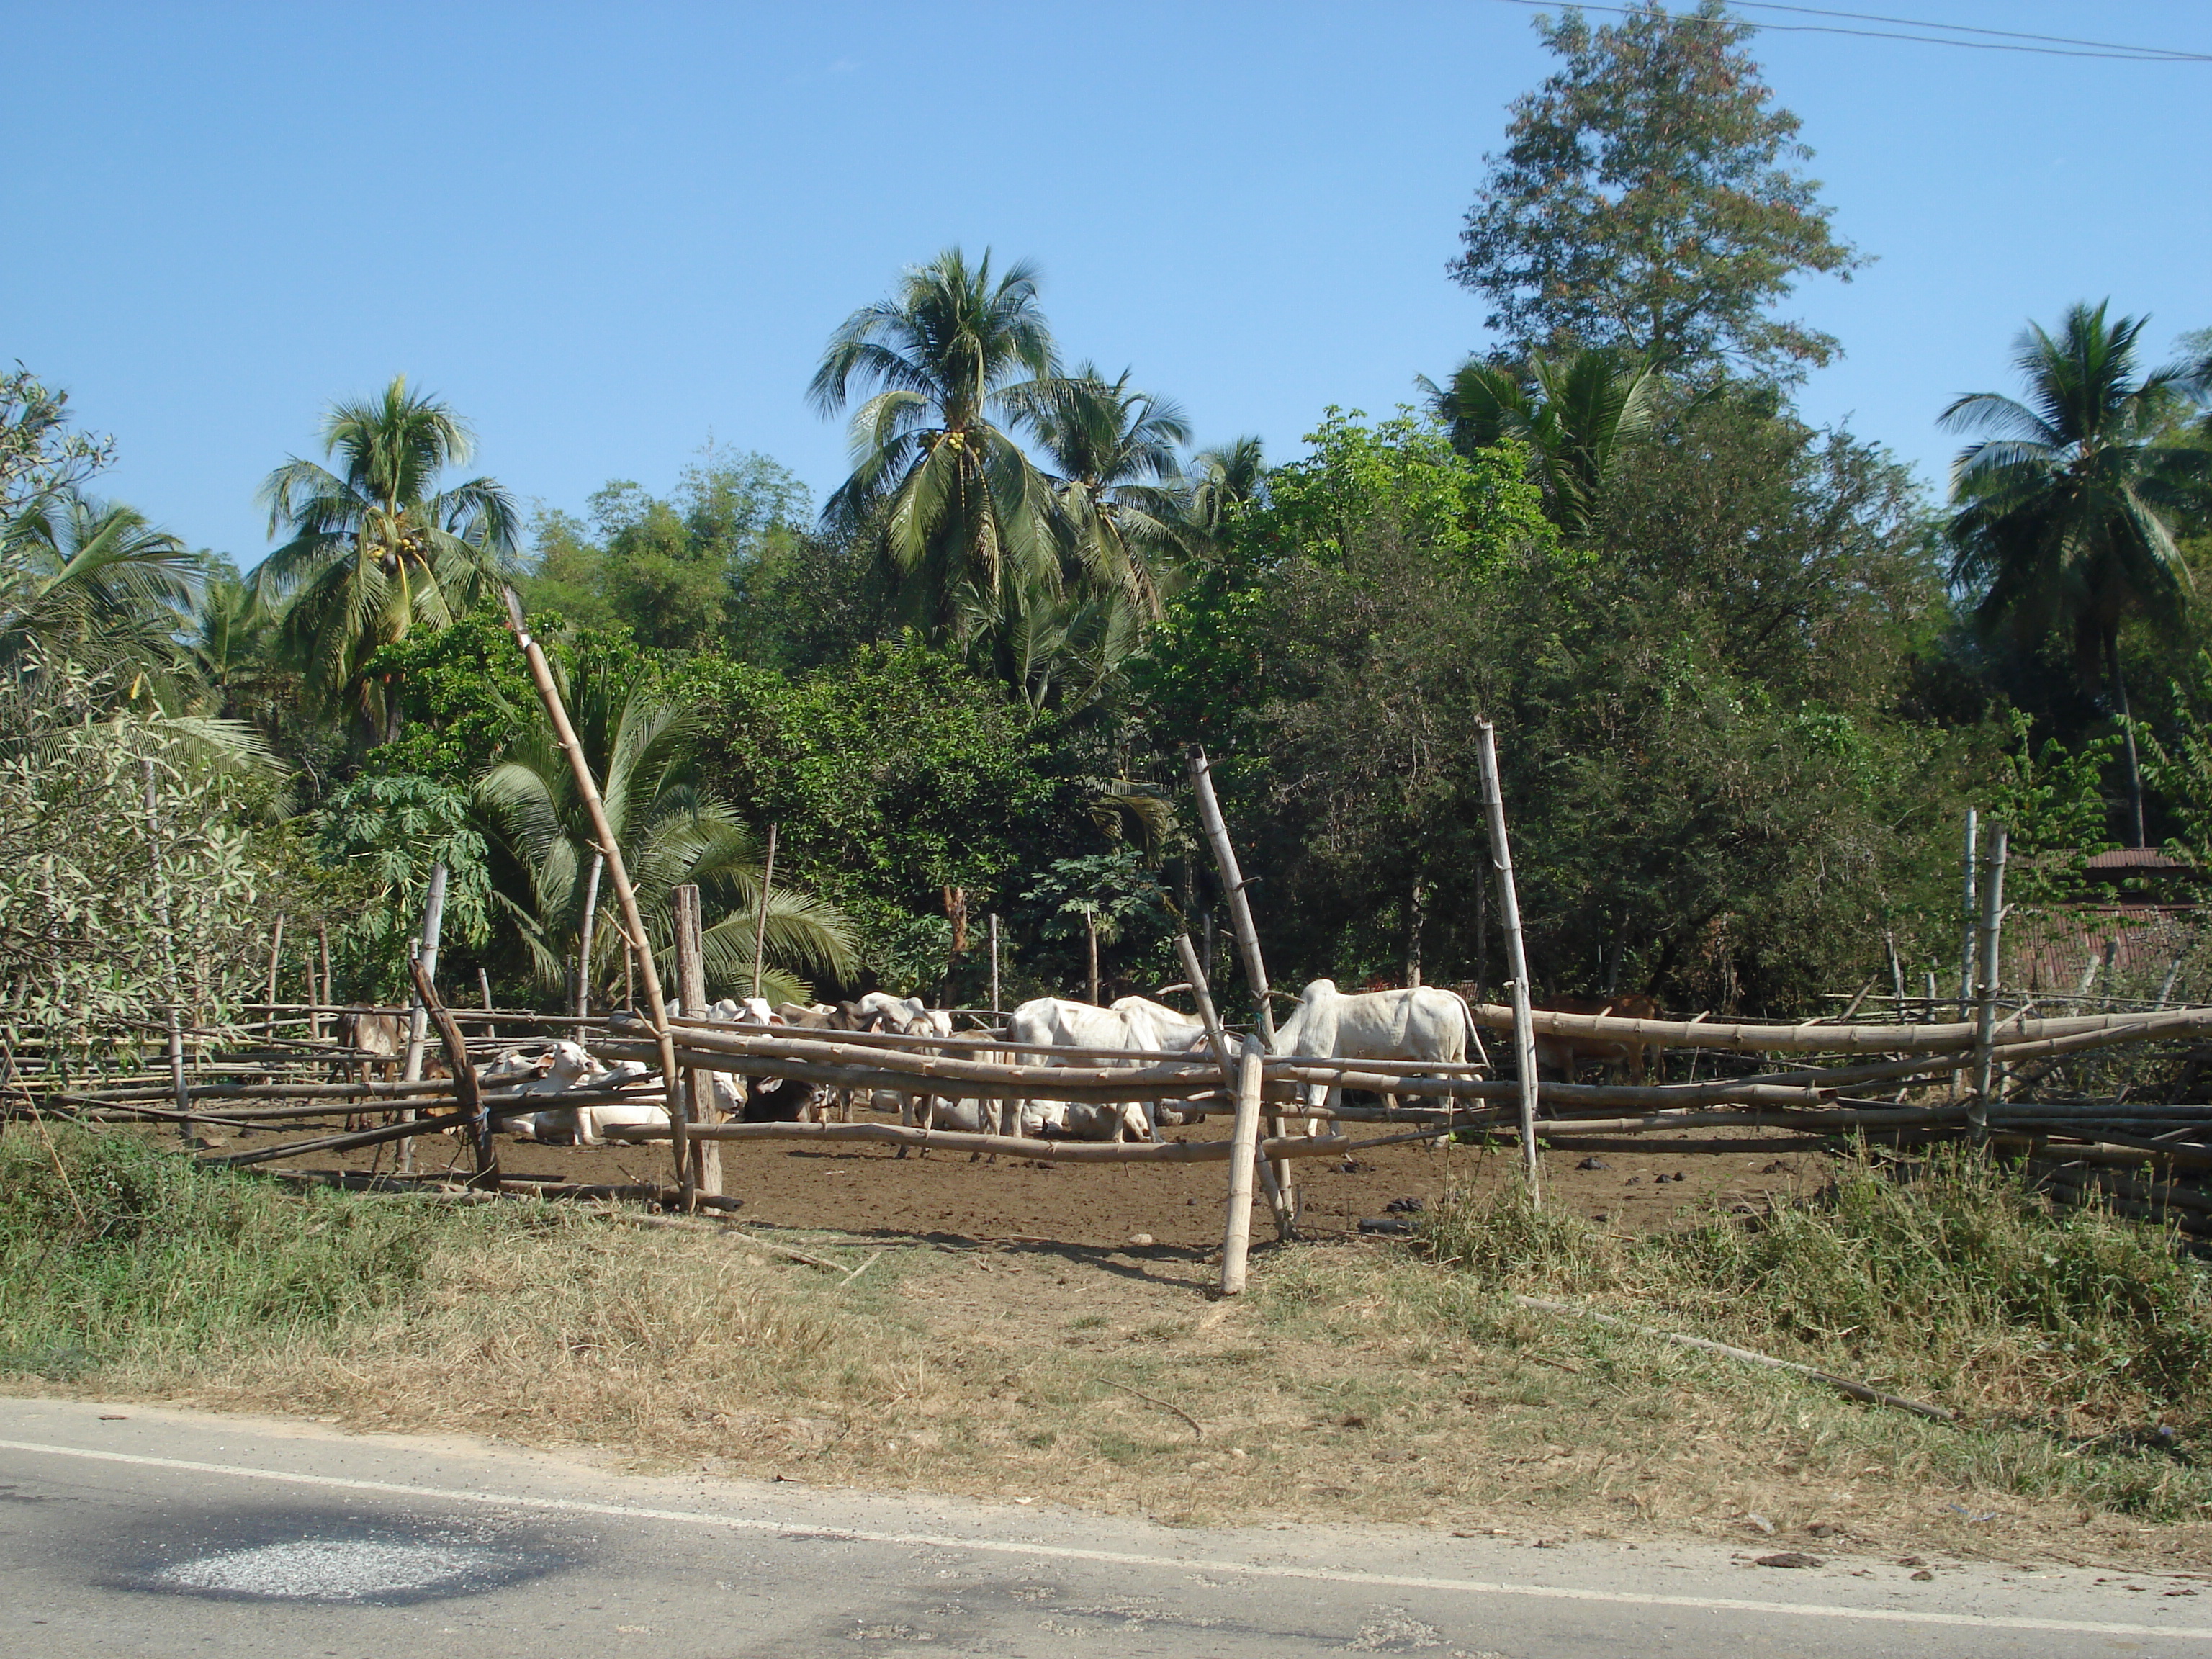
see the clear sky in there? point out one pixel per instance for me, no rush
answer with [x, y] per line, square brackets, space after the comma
[606, 233]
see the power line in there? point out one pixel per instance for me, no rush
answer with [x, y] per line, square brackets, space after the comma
[2110, 49]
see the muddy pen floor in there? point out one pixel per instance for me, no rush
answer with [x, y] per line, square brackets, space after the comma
[1655, 1183]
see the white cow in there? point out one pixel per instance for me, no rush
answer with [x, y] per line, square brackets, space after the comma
[1132, 1024]
[566, 1068]
[1420, 1022]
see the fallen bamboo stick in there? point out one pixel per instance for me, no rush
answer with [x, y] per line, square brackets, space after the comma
[1066, 1152]
[1855, 1389]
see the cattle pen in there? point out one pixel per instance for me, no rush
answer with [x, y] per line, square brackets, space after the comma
[1897, 1083]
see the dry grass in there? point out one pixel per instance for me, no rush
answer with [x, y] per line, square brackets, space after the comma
[1352, 1381]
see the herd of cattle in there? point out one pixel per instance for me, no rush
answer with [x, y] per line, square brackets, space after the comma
[1423, 1023]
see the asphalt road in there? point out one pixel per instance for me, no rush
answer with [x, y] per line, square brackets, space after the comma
[132, 1530]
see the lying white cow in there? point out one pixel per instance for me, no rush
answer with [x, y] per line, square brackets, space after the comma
[565, 1068]
[1420, 1022]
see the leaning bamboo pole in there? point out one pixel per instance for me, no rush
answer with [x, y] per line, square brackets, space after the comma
[1281, 1188]
[541, 674]
[1516, 960]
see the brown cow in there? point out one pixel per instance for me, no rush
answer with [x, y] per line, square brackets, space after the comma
[1566, 1055]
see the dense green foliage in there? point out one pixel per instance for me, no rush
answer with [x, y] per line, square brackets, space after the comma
[1745, 674]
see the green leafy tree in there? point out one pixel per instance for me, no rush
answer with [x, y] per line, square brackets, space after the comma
[1573, 415]
[959, 360]
[641, 749]
[376, 548]
[894, 774]
[2051, 802]
[1647, 200]
[2066, 513]
[127, 879]
[388, 833]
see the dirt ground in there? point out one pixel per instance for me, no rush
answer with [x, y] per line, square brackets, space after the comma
[1634, 1185]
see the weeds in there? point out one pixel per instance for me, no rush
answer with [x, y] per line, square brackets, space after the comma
[1950, 1276]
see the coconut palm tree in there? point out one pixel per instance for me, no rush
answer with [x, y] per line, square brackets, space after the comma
[952, 500]
[641, 751]
[95, 583]
[1221, 480]
[1118, 490]
[2066, 510]
[1574, 413]
[376, 547]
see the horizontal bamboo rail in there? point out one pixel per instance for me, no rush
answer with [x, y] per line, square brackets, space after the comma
[1811, 1038]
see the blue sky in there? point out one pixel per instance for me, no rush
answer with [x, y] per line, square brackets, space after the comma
[607, 232]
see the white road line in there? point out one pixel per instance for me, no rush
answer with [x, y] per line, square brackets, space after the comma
[1119, 1557]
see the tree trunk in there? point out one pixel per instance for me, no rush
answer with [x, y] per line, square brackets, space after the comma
[2128, 730]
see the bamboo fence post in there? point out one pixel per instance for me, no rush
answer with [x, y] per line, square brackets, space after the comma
[329, 985]
[483, 986]
[1986, 1007]
[541, 672]
[426, 954]
[1517, 961]
[468, 1096]
[583, 936]
[1236, 1229]
[1247, 947]
[691, 998]
[1971, 912]
[175, 1021]
[275, 953]
[760, 927]
[1091, 933]
[995, 1009]
[434, 923]
[1194, 971]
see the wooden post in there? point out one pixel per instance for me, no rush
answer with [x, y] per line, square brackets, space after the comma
[760, 928]
[1194, 971]
[468, 1098]
[584, 937]
[1247, 947]
[175, 1021]
[995, 1008]
[329, 997]
[433, 922]
[541, 674]
[275, 953]
[1985, 1008]
[1090, 932]
[1972, 913]
[1244, 1140]
[692, 997]
[1517, 961]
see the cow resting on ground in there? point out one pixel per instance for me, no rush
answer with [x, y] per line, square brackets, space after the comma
[564, 1068]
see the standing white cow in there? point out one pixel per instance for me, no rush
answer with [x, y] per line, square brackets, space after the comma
[1420, 1022]
[1132, 1024]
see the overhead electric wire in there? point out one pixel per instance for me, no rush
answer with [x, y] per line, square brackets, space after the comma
[2111, 51]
